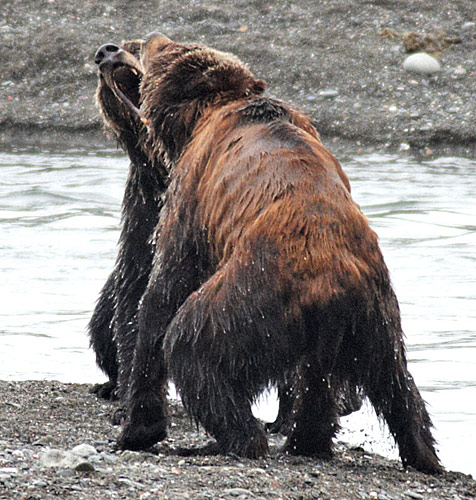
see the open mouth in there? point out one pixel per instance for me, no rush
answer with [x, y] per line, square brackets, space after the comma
[126, 83]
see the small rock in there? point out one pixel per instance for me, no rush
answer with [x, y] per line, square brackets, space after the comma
[109, 457]
[178, 496]
[459, 70]
[60, 458]
[84, 467]
[53, 458]
[84, 450]
[421, 63]
[237, 492]
[39, 483]
[10, 403]
[414, 494]
[328, 93]
[44, 441]
[468, 26]
[132, 456]
[6, 472]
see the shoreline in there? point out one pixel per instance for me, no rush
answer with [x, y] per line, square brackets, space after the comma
[54, 139]
[56, 440]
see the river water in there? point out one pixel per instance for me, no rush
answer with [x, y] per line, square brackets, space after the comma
[59, 224]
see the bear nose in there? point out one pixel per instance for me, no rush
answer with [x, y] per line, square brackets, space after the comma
[106, 52]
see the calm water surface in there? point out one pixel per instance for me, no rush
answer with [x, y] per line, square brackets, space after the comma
[59, 223]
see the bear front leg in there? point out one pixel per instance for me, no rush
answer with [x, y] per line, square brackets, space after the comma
[102, 341]
[145, 421]
[145, 413]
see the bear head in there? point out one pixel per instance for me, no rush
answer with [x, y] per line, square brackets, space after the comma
[166, 86]
[118, 95]
[179, 82]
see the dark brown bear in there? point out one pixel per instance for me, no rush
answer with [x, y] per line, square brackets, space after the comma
[113, 326]
[263, 266]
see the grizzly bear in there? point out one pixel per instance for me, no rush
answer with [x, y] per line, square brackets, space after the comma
[113, 326]
[263, 266]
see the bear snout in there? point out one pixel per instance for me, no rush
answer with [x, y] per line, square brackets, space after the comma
[106, 52]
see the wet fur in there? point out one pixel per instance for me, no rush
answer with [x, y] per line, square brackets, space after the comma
[263, 266]
[113, 326]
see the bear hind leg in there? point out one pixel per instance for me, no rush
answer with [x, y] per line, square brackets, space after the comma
[224, 346]
[399, 401]
[315, 414]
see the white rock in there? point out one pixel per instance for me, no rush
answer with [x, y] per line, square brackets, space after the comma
[329, 93]
[54, 458]
[59, 458]
[421, 63]
[7, 472]
[84, 450]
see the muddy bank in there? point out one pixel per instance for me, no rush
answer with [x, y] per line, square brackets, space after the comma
[340, 61]
[56, 441]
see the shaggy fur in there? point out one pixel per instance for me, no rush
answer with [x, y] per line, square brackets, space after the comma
[263, 266]
[113, 326]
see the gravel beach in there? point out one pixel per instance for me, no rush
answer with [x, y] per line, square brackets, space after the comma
[340, 61]
[56, 441]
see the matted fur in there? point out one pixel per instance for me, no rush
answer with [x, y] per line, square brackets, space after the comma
[113, 326]
[263, 266]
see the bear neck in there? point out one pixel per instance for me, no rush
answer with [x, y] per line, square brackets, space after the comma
[145, 186]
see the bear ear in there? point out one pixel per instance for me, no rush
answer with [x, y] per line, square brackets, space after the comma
[153, 43]
[258, 87]
[227, 74]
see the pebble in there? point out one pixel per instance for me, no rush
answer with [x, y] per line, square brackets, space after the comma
[470, 25]
[18, 454]
[84, 467]
[65, 459]
[44, 441]
[6, 472]
[414, 495]
[39, 483]
[459, 70]
[109, 457]
[132, 456]
[237, 492]
[84, 450]
[52, 458]
[421, 63]
[328, 93]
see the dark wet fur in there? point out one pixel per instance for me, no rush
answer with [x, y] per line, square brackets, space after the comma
[113, 326]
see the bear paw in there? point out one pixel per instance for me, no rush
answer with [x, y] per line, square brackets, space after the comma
[141, 437]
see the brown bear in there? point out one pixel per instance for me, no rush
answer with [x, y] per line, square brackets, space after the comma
[113, 326]
[263, 266]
